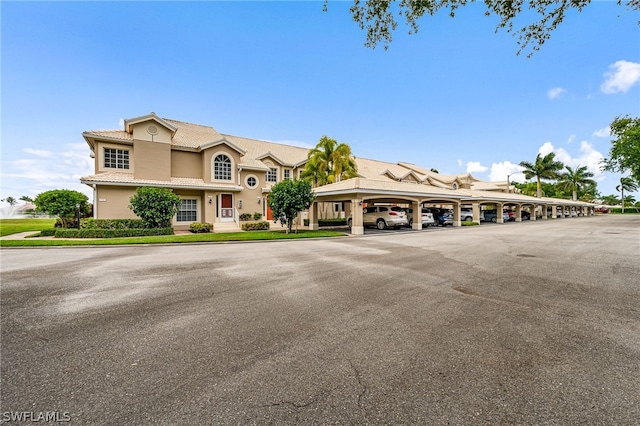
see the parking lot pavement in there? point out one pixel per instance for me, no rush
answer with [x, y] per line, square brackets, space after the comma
[482, 325]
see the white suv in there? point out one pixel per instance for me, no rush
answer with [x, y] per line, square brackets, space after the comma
[427, 217]
[383, 217]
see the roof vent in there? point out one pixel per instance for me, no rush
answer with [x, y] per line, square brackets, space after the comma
[152, 130]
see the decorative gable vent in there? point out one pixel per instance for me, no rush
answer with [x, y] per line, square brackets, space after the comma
[152, 130]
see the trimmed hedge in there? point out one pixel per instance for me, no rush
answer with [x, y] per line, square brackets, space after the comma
[627, 210]
[199, 227]
[110, 233]
[48, 232]
[328, 222]
[255, 226]
[246, 216]
[112, 224]
[465, 223]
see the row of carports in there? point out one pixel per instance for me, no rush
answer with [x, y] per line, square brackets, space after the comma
[360, 192]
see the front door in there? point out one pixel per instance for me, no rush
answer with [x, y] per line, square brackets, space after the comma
[226, 207]
[269, 212]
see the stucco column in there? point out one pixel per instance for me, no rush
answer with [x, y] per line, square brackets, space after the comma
[499, 217]
[475, 208]
[554, 211]
[544, 214]
[518, 212]
[313, 217]
[456, 214]
[357, 217]
[534, 211]
[417, 216]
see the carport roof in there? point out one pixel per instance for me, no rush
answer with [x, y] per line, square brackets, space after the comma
[369, 187]
[385, 187]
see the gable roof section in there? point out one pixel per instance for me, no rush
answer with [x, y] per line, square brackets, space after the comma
[223, 141]
[128, 123]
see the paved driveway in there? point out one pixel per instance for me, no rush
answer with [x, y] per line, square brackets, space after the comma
[531, 324]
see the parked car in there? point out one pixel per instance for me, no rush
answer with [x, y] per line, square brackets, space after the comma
[383, 217]
[511, 216]
[492, 216]
[443, 217]
[427, 217]
[466, 215]
[525, 215]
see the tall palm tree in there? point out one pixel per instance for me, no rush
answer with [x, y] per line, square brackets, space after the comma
[575, 179]
[544, 168]
[626, 184]
[330, 162]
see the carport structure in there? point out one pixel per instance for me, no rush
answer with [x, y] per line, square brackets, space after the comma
[357, 191]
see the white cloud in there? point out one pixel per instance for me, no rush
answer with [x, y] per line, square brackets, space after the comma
[31, 176]
[556, 93]
[475, 166]
[602, 133]
[546, 148]
[571, 139]
[37, 152]
[459, 163]
[623, 76]
[588, 156]
[121, 124]
[500, 171]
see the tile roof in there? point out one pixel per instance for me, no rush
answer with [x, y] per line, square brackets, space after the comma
[127, 179]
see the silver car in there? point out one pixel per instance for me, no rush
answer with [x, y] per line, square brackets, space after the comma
[383, 217]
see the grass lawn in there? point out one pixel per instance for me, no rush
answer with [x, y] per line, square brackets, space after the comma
[14, 226]
[161, 239]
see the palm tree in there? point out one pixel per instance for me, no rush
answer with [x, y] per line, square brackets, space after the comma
[575, 179]
[330, 162]
[544, 168]
[626, 184]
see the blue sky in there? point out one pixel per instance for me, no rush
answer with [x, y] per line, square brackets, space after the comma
[455, 96]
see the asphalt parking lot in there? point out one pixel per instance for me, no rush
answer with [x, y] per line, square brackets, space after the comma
[524, 323]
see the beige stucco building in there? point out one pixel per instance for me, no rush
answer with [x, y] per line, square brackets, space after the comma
[220, 176]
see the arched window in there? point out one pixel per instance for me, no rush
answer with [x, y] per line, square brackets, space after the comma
[222, 167]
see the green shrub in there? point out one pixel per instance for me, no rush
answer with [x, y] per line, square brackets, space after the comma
[110, 233]
[245, 217]
[112, 224]
[627, 210]
[328, 222]
[155, 206]
[48, 232]
[257, 216]
[255, 226]
[465, 223]
[199, 227]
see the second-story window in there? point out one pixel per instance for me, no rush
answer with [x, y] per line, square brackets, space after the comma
[222, 167]
[272, 175]
[116, 158]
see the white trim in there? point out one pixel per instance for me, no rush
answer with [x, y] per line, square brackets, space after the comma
[246, 179]
[213, 167]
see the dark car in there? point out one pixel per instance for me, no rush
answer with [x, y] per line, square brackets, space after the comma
[443, 217]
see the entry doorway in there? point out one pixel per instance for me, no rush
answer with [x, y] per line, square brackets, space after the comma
[226, 207]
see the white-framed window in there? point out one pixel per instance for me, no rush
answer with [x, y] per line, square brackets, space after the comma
[272, 175]
[251, 181]
[222, 167]
[188, 211]
[116, 158]
[287, 174]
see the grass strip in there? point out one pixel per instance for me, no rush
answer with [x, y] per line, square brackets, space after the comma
[175, 239]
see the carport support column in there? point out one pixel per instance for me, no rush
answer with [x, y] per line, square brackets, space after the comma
[313, 217]
[534, 213]
[456, 214]
[475, 208]
[417, 216]
[543, 209]
[499, 213]
[519, 213]
[357, 217]
[554, 211]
